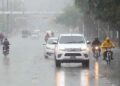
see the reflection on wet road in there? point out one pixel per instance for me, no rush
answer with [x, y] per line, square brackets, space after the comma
[96, 73]
[85, 78]
[78, 76]
[6, 61]
[60, 78]
[72, 76]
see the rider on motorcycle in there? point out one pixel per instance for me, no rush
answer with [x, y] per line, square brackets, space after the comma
[48, 35]
[95, 43]
[107, 45]
[52, 34]
[6, 44]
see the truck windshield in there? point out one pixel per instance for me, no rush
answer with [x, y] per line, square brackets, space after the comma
[50, 41]
[71, 39]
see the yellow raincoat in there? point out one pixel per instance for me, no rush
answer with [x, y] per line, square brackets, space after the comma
[107, 43]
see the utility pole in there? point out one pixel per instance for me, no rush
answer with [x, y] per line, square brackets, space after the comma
[7, 20]
[83, 29]
[23, 4]
[108, 33]
[119, 36]
[3, 25]
[98, 30]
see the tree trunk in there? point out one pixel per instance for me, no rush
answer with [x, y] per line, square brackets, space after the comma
[119, 37]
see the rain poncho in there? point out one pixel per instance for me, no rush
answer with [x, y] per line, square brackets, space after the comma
[107, 43]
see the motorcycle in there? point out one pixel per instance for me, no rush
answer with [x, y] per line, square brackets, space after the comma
[96, 52]
[108, 56]
[5, 50]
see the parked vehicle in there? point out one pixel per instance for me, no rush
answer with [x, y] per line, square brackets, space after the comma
[71, 48]
[25, 33]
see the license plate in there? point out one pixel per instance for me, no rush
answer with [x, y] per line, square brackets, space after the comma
[72, 57]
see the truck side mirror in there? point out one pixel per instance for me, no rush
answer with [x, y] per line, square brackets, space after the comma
[54, 42]
[88, 42]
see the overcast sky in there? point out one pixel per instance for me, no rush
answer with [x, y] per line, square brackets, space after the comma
[47, 5]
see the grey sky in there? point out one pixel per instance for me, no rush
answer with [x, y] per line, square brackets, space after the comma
[46, 5]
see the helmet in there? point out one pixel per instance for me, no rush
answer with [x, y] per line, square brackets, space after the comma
[5, 39]
[96, 38]
[107, 39]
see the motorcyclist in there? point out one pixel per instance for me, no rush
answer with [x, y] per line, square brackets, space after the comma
[6, 44]
[46, 37]
[95, 43]
[107, 45]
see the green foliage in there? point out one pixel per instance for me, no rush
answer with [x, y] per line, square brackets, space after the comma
[83, 5]
[71, 17]
[106, 10]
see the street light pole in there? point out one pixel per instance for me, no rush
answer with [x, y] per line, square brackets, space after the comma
[3, 27]
[108, 31]
[23, 1]
[7, 20]
[98, 30]
[83, 29]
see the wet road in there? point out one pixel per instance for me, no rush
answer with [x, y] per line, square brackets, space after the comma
[26, 66]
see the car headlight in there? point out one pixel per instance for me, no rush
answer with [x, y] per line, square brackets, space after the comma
[61, 49]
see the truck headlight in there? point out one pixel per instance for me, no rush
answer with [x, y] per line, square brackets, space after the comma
[59, 49]
[85, 49]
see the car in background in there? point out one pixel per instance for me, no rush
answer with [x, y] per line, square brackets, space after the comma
[71, 48]
[25, 33]
[50, 47]
[35, 33]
